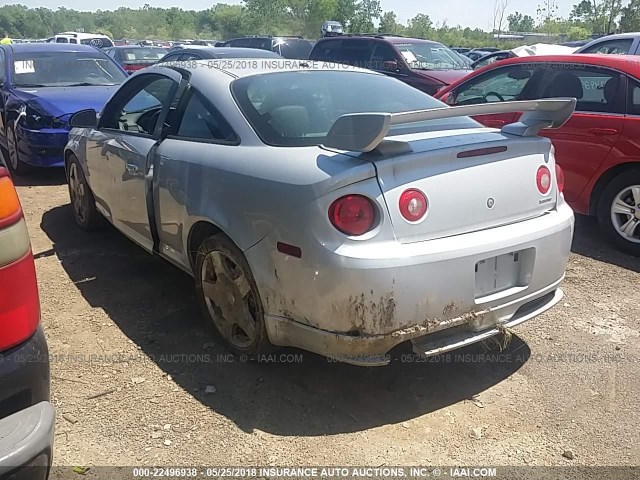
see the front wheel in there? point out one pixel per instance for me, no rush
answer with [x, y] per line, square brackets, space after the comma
[619, 212]
[229, 297]
[16, 166]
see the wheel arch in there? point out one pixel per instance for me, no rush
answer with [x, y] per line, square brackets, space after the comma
[198, 233]
[605, 178]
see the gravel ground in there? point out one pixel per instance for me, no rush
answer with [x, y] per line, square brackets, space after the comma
[137, 380]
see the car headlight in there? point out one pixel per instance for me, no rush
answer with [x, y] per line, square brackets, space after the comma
[34, 120]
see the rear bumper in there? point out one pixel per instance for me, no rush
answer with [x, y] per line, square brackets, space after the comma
[361, 302]
[26, 415]
[26, 443]
[42, 148]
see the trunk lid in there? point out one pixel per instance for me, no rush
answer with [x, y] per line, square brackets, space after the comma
[473, 179]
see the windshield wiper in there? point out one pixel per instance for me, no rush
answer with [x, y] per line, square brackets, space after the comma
[89, 84]
[30, 85]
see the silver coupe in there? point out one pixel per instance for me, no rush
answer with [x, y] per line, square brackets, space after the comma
[329, 208]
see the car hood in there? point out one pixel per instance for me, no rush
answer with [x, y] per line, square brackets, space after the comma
[56, 101]
[444, 76]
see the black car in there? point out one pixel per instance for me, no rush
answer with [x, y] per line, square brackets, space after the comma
[26, 414]
[288, 47]
[206, 53]
[135, 57]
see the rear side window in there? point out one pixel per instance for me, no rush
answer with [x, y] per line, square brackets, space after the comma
[611, 47]
[261, 43]
[298, 108]
[294, 48]
[498, 85]
[633, 101]
[597, 89]
[239, 42]
[356, 52]
[327, 51]
[202, 122]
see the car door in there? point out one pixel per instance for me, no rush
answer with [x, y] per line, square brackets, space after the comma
[119, 152]
[193, 164]
[584, 142]
[518, 81]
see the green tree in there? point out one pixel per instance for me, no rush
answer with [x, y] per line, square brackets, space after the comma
[630, 17]
[520, 23]
[389, 24]
[365, 13]
[420, 26]
[547, 15]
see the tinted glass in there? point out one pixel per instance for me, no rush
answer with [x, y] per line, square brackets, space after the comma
[2, 66]
[64, 69]
[299, 108]
[611, 47]
[328, 51]
[200, 121]
[596, 89]
[293, 48]
[633, 105]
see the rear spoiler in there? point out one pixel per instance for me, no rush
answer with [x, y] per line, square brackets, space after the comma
[363, 132]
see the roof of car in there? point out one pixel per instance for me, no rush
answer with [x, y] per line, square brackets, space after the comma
[230, 52]
[270, 66]
[128, 47]
[627, 63]
[50, 47]
[390, 38]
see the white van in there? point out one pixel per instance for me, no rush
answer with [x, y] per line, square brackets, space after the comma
[94, 39]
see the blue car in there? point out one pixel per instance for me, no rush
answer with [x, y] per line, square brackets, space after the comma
[41, 85]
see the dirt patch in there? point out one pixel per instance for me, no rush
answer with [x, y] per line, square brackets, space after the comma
[134, 369]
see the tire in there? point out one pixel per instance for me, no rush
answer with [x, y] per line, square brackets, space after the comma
[16, 166]
[619, 212]
[222, 276]
[82, 200]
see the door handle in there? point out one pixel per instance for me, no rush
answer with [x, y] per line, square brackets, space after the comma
[603, 131]
[133, 169]
[495, 123]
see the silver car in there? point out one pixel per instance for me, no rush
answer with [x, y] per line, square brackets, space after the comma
[329, 208]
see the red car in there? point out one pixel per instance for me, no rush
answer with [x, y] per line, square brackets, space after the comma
[598, 148]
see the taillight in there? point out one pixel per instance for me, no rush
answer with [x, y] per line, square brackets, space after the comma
[560, 178]
[19, 302]
[352, 214]
[543, 179]
[413, 205]
[10, 211]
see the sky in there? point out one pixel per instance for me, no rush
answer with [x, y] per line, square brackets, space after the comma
[467, 13]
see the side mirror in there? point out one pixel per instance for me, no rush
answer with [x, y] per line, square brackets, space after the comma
[84, 119]
[390, 66]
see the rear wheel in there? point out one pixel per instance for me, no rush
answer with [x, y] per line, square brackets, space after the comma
[17, 166]
[619, 212]
[229, 297]
[83, 203]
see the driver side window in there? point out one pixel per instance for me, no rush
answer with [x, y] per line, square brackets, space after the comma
[499, 85]
[137, 109]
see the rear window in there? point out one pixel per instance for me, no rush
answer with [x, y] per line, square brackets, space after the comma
[143, 54]
[294, 48]
[98, 42]
[298, 108]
